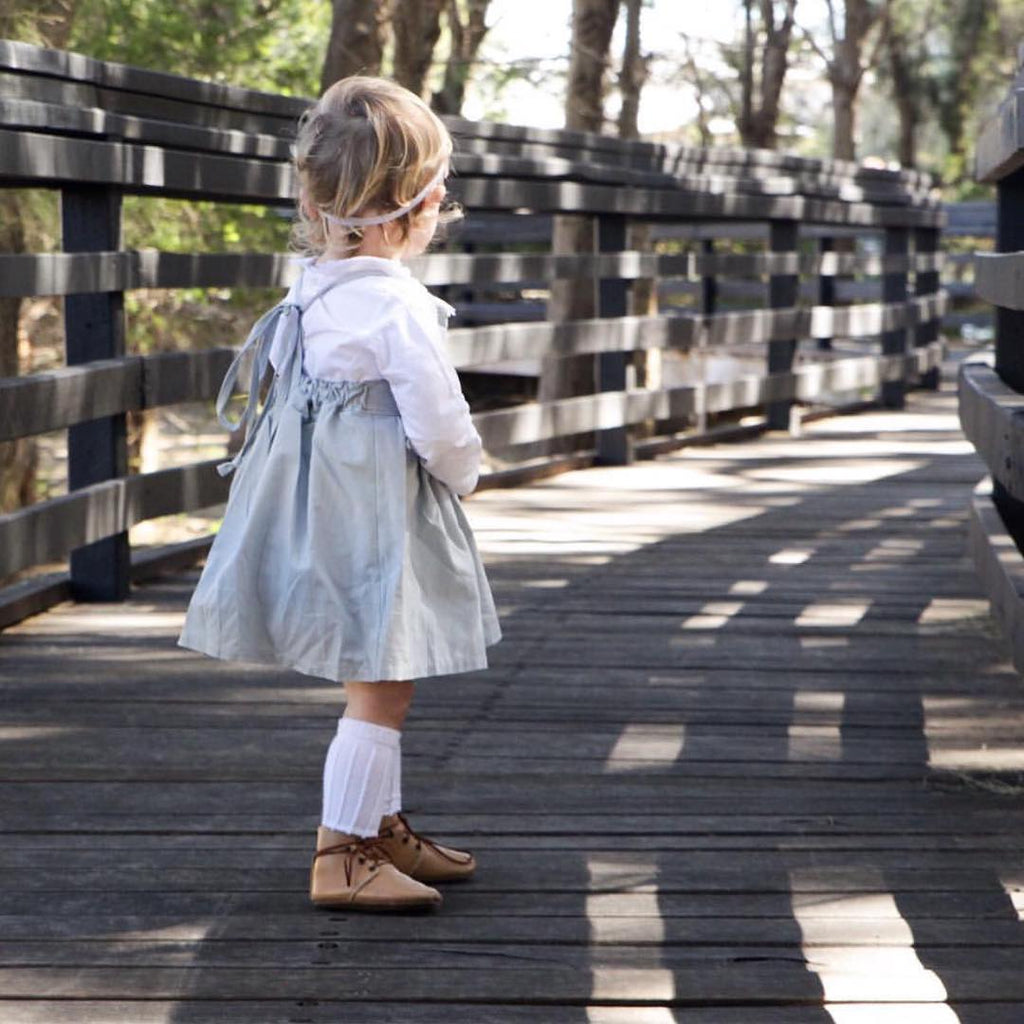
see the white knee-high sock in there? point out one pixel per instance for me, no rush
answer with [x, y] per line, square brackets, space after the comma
[359, 776]
[394, 804]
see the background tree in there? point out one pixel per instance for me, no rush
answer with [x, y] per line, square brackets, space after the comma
[416, 27]
[846, 57]
[592, 24]
[762, 64]
[971, 28]
[356, 41]
[907, 25]
[467, 26]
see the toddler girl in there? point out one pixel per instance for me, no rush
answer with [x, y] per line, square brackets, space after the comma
[344, 552]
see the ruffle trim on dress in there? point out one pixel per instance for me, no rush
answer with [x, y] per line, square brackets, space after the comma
[369, 396]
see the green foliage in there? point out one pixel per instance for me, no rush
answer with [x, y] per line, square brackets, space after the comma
[275, 45]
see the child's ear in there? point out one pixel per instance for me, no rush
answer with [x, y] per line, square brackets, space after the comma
[309, 211]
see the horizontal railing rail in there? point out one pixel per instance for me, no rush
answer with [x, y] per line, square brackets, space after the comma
[991, 398]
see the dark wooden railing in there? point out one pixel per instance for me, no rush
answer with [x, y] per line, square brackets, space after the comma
[992, 397]
[98, 131]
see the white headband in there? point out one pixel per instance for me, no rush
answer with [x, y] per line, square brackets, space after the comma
[365, 222]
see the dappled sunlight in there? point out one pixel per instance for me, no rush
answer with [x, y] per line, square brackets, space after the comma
[944, 610]
[713, 615]
[893, 548]
[830, 614]
[644, 923]
[36, 732]
[646, 746]
[642, 984]
[841, 472]
[900, 1013]
[889, 972]
[631, 1015]
[638, 875]
[748, 587]
[101, 620]
[813, 733]
[791, 556]
[611, 527]
[856, 525]
[983, 757]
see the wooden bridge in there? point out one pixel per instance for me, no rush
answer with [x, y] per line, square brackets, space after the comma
[751, 751]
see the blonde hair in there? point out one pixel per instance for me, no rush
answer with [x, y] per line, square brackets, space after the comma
[367, 145]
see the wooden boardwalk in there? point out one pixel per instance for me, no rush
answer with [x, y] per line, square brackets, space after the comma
[748, 755]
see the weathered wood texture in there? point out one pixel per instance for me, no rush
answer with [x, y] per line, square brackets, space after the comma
[990, 399]
[748, 754]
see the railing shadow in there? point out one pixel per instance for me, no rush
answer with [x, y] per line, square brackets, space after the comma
[724, 758]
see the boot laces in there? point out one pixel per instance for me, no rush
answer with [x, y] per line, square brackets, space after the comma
[364, 850]
[418, 839]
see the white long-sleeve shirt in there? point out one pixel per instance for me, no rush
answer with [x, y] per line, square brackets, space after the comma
[387, 326]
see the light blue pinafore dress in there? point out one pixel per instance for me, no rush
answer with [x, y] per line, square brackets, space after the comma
[339, 555]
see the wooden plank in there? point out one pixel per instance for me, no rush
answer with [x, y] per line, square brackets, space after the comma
[989, 416]
[784, 980]
[54, 399]
[30, 60]
[999, 278]
[45, 532]
[999, 151]
[51, 161]
[31, 159]
[1000, 567]
[45, 105]
[75, 273]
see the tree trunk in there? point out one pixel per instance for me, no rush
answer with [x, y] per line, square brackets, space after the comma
[767, 47]
[843, 99]
[467, 35]
[356, 43]
[417, 27]
[845, 71]
[747, 73]
[592, 24]
[633, 73]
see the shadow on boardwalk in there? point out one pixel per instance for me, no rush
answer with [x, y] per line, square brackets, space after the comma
[737, 756]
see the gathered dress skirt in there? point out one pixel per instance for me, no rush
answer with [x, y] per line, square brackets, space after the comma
[339, 555]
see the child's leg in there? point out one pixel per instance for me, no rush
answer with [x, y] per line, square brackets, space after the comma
[361, 779]
[362, 773]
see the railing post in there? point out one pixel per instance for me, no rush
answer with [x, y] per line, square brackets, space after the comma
[614, 446]
[783, 292]
[708, 282]
[826, 289]
[94, 329]
[894, 289]
[926, 282]
[1009, 362]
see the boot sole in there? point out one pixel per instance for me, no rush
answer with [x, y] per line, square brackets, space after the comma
[389, 906]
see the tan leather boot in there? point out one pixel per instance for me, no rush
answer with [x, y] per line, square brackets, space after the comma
[355, 873]
[419, 857]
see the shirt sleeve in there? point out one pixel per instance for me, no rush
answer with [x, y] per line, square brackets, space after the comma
[435, 415]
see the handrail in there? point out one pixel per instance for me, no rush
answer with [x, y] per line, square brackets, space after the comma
[98, 131]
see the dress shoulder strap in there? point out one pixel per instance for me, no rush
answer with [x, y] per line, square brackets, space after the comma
[280, 330]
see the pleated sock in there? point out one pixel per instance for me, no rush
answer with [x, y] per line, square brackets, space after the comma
[359, 776]
[394, 804]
